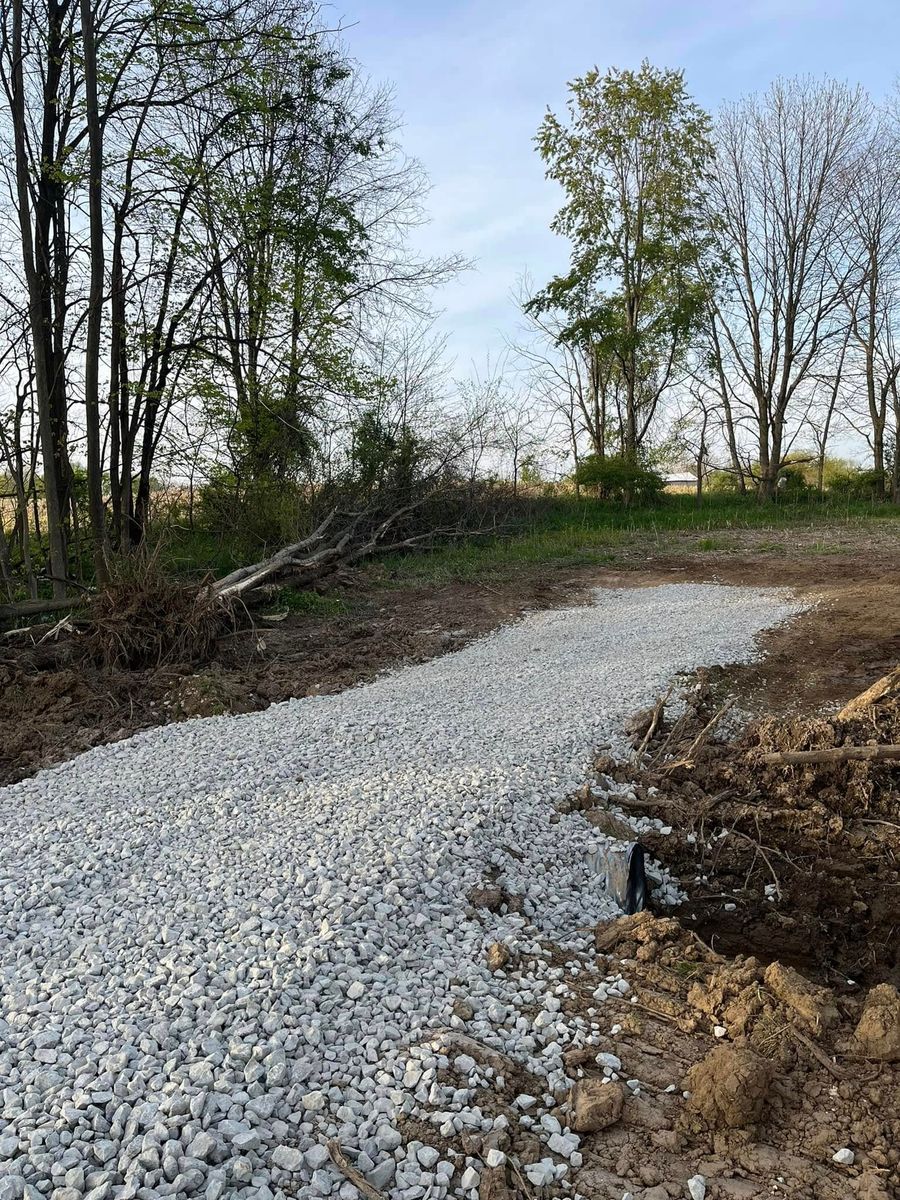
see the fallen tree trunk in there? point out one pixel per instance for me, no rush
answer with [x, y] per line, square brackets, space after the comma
[800, 758]
[316, 556]
[30, 608]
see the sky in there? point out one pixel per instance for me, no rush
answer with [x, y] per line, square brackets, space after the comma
[472, 81]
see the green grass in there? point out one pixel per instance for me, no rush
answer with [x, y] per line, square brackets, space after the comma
[561, 532]
[569, 532]
[311, 604]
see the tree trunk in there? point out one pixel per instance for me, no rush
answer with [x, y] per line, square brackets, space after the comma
[40, 331]
[95, 301]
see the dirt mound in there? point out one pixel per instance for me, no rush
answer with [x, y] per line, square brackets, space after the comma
[752, 1077]
[209, 693]
[878, 1032]
[796, 862]
[728, 1089]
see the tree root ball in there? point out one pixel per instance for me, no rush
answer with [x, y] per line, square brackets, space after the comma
[728, 1089]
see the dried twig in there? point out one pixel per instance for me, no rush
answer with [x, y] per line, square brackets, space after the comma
[688, 759]
[821, 1057]
[495, 1058]
[658, 711]
[356, 1177]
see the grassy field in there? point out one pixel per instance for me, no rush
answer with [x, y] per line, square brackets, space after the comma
[569, 532]
[565, 531]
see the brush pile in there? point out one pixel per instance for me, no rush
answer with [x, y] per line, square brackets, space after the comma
[147, 619]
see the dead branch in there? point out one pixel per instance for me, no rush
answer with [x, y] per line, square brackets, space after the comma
[658, 710]
[318, 555]
[29, 608]
[802, 758]
[885, 687]
[356, 1177]
[688, 759]
[245, 579]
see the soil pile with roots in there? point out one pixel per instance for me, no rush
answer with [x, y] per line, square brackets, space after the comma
[798, 861]
[147, 619]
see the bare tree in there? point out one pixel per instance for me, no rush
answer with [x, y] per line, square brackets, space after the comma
[778, 197]
[826, 392]
[872, 243]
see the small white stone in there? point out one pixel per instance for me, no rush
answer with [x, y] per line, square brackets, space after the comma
[697, 1187]
[469, 1180]
[719, 1031]
[844, 1158]
[609, 1060]
[541, 1173]
[495, 1158]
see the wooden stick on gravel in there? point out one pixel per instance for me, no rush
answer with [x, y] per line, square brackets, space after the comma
[800, 758]
[654, 725]
[357, 1178]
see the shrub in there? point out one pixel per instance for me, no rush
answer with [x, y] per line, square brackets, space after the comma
[855, 483]
[619, 477]
[793, 484]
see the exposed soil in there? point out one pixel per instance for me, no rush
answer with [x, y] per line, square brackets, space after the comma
[56, 701]
[797, 863]
[745, 1074]
[781, 1075]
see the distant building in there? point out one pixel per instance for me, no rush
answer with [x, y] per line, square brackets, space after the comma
[680, 481]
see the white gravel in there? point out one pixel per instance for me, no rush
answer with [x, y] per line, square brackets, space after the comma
[223, 942]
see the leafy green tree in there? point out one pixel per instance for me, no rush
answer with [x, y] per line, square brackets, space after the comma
[620, 477]
[633, 159]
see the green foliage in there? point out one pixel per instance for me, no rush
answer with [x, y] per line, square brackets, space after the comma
[294, 600]
[722, 483]
[793, 483]
[633, 160]
[620, 478]
[530, 471]
[385, 457]
[254, 513]
[854, 483]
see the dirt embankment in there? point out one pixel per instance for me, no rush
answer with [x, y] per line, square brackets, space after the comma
[769, 1000]
[745, 1079]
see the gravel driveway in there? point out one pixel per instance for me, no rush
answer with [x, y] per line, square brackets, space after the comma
[223, 942]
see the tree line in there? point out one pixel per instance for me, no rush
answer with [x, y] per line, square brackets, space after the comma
[733, 283]
[207, 288]
[204, 261]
